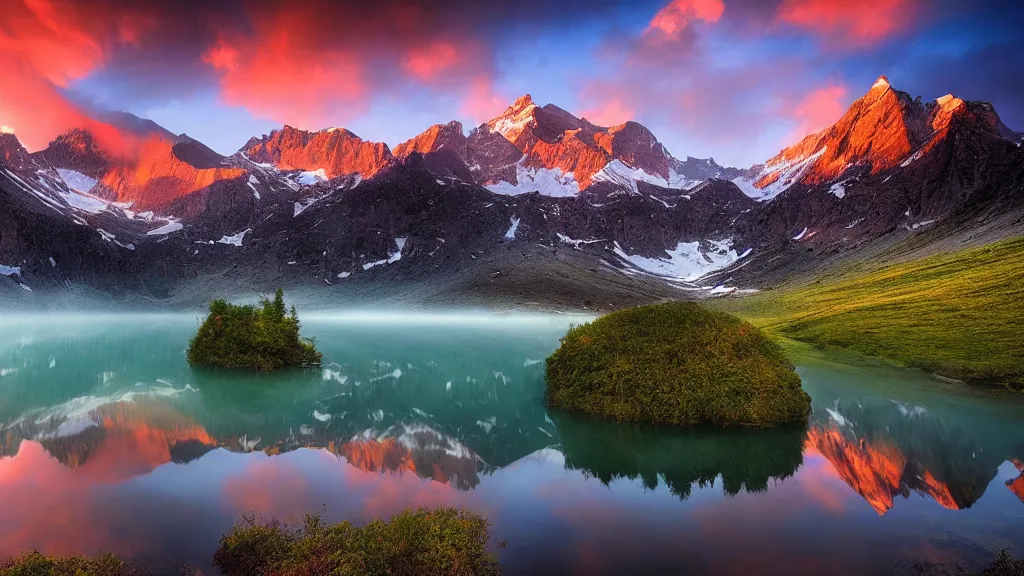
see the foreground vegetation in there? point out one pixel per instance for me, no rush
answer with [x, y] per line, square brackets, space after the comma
[262, 338]
[440, 542]
[960, 315]
[36, 564]
[445, 541]
[676, 363]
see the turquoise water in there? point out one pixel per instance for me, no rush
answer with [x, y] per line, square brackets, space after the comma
[110, 442]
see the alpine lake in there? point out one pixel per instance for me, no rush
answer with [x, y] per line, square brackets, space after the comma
[111, 442]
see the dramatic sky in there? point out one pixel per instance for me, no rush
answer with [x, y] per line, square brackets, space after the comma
[732, 79]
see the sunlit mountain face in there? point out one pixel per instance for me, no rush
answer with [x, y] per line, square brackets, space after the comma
[467, 155]
[249, 68]
[1017, 486]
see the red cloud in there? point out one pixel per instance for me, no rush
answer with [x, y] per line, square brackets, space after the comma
[850, 23]
[482, 101]
[611, 111]
[277, 74]
[427, 62]
[722, 85]
[274, 59]
[44, 46]
[278, 66]
[818, 109]
[677, 15]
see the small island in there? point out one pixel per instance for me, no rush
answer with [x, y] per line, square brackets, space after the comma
[676, 364]
[263, 337]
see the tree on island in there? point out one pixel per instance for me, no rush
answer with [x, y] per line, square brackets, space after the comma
[263, 337]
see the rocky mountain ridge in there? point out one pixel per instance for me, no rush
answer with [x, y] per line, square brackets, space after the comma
[534, 184]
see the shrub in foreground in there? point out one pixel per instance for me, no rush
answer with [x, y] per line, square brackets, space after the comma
[36, 564]
[263, 338]
[676, 363]
[444, 541]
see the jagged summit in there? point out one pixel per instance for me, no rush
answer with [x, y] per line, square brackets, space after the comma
[327, 207]
[77, 150]
[336, 151]
[12, 152]
[434, 138]
[522, 103]
[516, 120]
[563, 154]
[880, 131]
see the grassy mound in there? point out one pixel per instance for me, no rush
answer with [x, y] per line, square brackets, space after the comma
[960, 314]
[445, 541]
[675, 363]
[263, 338]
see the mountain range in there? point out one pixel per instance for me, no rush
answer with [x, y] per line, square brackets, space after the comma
[534, 208]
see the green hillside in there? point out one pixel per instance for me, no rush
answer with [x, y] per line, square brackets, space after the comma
[960, 315]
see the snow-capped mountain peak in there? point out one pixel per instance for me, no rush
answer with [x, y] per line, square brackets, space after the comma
[516, 119]
[884, 129]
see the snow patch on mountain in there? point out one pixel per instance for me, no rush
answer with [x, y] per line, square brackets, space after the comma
[85, 202]
[76, 193]
[234, 239]
[621, 174]
[393, 256]
[788, 173]
[43, 197]
[917, 225]
[548, 182]
[838, 189]
[514, 121]
[171, 226]
[577, 243]
[511, 233]
[253, 182]
[10, 270]
[912, 158]
[350, 182]
[112, 238]
[687, 262]
[310, 177]
[76, 180]
[5, 129]
[396, 256]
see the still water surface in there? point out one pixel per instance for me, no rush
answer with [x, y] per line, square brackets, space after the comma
[110, 442]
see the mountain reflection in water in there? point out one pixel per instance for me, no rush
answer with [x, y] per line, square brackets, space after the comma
[101, 434]
[1017, 486]
[885, 449]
